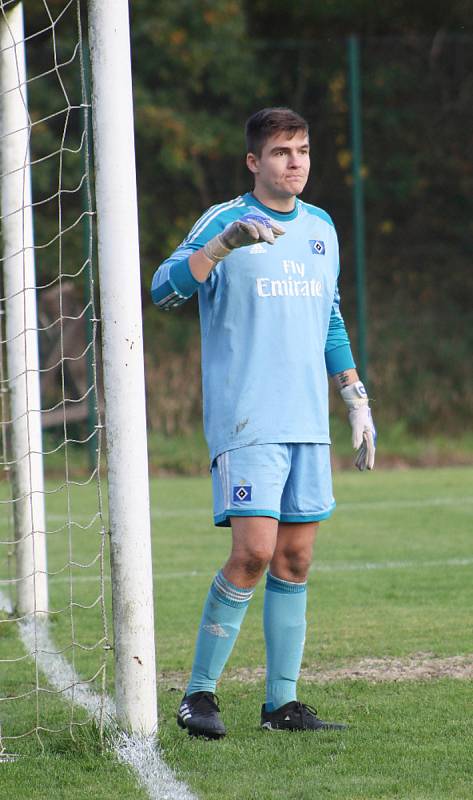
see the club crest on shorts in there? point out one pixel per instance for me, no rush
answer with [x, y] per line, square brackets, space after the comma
[242, 494]
[317, 247]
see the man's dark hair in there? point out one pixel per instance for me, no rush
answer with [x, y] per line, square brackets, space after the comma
[269, 121]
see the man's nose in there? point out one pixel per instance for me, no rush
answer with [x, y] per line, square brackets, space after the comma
[294, 160]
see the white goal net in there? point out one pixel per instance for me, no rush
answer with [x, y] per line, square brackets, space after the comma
[67, 546]
[54, 638]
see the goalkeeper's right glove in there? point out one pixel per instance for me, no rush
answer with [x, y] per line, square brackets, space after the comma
[251, 228]
[361, 421]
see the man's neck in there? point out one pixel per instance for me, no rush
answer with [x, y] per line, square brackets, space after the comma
[283, 204]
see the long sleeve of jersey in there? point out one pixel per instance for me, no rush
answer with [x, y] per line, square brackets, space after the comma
[271, 326]
[338, 355]
[173, 282]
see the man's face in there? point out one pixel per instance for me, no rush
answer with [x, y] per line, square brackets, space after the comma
[282, 169]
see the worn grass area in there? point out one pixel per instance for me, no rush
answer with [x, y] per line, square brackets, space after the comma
[392, 579]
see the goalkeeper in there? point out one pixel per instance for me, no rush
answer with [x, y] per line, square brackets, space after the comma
[265, 266]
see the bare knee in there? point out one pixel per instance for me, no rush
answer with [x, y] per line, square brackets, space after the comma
[293, 553]
[253, 561]
[248, 564]
[291, 565]
[253, 543]
[298, 566]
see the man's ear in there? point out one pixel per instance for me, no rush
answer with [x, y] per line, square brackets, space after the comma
[252, 163]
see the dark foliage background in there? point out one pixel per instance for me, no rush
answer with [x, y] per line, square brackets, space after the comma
[201, 68]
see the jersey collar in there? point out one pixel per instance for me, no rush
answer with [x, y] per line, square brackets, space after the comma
[280, 215]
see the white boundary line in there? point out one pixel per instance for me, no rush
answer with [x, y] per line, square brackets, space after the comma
[365, 505]
[342, 566]
[140, 753]
[58, 670]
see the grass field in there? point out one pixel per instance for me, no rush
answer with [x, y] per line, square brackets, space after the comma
[187, 454]
[391, 583]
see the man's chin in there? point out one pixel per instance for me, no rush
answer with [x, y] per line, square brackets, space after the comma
[295, 191]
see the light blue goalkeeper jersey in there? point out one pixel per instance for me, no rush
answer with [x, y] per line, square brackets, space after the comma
[270, 323]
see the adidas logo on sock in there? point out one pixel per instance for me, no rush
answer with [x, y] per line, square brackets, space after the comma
[217, 630]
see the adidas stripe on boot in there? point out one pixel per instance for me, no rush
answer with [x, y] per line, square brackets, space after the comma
[199, 713]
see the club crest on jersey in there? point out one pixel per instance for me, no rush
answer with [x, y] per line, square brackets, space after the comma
[317, 247]
[242, 494]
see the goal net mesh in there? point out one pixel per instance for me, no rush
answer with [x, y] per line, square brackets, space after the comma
[53, 662]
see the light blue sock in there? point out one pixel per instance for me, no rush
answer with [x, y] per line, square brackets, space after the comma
[223, 614]
[284, 630]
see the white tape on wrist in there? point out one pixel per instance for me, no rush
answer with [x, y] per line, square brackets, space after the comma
[216, 250]
[354, 395]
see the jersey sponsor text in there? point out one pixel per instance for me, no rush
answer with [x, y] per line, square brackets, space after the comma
[266, 287]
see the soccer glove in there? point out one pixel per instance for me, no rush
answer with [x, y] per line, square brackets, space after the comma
[249, 229]
[361, 421]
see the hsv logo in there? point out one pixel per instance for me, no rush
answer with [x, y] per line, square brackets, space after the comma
[317, 247]
[242, 494]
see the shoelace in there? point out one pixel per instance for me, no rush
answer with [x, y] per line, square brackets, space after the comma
[304, 710]
[211, 700]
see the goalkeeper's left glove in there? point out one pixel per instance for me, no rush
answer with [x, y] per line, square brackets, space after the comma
[361, 421]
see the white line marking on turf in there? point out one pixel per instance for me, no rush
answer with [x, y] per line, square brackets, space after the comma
[320, 567]
[368, 505]
[342, 566]
[361, 567]
[137, 751]
[59, 672]
[425, 503]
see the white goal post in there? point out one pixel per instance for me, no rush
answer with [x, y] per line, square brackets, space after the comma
[123, 363]
[21, 320]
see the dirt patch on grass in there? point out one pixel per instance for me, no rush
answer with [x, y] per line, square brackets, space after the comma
[421, 666]
[418, 667]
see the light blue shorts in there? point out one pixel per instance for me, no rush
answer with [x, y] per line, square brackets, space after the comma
[290, 482]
